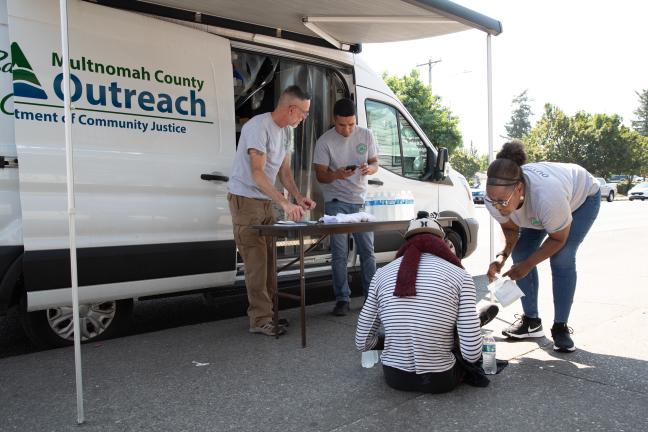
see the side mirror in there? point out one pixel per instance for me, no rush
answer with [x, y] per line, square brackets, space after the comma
[441, 165]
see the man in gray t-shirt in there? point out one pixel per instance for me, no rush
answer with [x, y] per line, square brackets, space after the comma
[344, 156]
[262, 156]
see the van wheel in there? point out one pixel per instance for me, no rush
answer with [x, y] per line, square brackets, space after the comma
[610, 196]
[454, 242]
[53, 327]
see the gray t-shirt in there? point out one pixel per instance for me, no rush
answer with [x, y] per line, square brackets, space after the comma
[263, 134]
[335, 151]
[553, 191]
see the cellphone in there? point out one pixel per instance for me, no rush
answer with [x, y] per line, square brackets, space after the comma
[350, 167]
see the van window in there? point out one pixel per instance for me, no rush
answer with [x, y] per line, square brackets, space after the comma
[401, 150]
[415, 151]
[383, 122]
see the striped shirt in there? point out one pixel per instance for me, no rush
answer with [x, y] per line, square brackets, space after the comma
[419, 330]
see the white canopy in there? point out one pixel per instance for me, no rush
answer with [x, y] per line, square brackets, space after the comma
[340, 22]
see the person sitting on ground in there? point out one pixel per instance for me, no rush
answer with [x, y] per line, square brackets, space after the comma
[425, 301]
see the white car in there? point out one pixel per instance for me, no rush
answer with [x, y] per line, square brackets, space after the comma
[639, 192]
[608, 190]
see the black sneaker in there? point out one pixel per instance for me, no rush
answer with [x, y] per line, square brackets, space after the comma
[341, 308]
[487, 314]
[524, 327]
[562, 341]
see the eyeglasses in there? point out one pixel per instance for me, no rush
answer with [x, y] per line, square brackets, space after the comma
[501, 203]
[304, 113]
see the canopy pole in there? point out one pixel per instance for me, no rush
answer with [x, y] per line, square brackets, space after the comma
[69, 165]
[489, 84]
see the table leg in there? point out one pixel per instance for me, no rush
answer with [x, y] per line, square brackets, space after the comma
[273, 282]
[302, 287]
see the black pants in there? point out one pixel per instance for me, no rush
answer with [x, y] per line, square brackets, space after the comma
[431, 382]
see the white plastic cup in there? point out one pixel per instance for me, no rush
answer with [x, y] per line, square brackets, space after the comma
[369, 358]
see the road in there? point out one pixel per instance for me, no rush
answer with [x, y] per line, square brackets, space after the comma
[626, 219]
[620, 232]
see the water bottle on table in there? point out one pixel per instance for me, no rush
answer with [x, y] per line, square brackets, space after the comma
[489, 362]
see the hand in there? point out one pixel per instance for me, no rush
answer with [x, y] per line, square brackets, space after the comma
[293, 212]
[519, 270]
[366, 169]
[342, 173]
[493, 269]
[306, 203]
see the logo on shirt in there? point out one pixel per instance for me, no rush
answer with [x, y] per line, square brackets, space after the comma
[537, 171]
[535, 221]
[361, 148]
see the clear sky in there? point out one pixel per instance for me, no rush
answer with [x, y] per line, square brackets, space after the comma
[579, 55]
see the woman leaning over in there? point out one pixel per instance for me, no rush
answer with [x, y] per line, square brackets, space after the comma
[545, 210]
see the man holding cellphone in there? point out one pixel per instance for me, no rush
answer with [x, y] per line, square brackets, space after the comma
[344, 156]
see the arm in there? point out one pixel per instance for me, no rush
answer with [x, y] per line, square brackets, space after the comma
[286, 178]
[326, 175]
[257, 163]
[552, 244]
[366, 337]
[470, 338]
[370, 168]
[511, 234]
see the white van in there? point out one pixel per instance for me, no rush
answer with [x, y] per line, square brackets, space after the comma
[157, 109]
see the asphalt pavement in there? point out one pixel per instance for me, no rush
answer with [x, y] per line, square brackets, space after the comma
[215, 376]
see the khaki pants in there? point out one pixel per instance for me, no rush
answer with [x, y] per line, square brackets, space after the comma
[256, 253]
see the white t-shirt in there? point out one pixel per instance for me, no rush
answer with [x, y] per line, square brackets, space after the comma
[263, 134]
[336, 151]
[553, 192]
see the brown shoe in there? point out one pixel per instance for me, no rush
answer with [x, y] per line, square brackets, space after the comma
[268, 329]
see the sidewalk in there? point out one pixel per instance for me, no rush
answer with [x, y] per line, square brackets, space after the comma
[218, 377]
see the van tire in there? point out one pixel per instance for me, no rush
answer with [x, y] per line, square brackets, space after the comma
[37, 324]
[610, 196]
[454, 242]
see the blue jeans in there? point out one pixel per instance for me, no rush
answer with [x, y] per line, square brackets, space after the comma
[563, 263]
[340, 252]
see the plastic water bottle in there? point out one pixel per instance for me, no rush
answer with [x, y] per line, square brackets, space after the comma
[489, 362]
[369, 358]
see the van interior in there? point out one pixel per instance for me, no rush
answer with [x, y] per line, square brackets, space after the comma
[258, 80]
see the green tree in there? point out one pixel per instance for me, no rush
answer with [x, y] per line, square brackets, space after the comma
[548, 134]
[436, 120]
[598, 142]
[641, 124]
[468, 162]
[520, 125]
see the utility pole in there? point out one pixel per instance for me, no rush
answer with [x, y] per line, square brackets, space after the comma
[429, 64]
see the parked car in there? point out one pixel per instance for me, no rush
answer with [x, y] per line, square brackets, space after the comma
[478, 194]
[639, 192]
[618, 178]
[608, 190]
